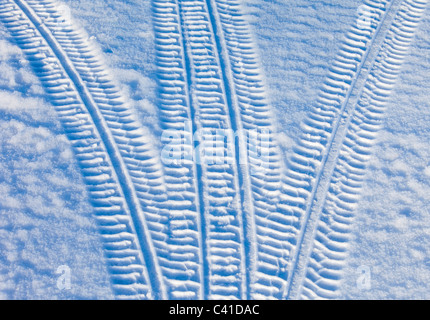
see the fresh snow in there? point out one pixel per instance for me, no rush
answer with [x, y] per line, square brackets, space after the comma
[85, 192]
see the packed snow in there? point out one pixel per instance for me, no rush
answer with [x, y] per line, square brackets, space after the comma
[188, 230]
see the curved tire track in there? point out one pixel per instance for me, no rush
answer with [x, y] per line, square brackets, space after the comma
[323, 275]
[119, 165]
[328, 166]
[244, 227]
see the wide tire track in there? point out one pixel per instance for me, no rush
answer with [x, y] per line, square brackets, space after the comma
[269, 229]
[185, 225]
[218, 176]
[327, 168]
[120, 166]
[322, 278]
[219, 219]
[211, 90]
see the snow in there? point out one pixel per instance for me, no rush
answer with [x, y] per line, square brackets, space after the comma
[393, 225]
[46, 216]
[48, 226]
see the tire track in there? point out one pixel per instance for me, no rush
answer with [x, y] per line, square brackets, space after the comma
[197, 44]
[194, 112]
[120, 168]
[180, 169]
[218, 176]
[317, 159]
[309, 165]
[269, 228]
[323, 275]
[218, 219]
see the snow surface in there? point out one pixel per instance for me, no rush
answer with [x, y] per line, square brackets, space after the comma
[391, 233]
[47, 215]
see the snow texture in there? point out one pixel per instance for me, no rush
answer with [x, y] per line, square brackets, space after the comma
[322, 193]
